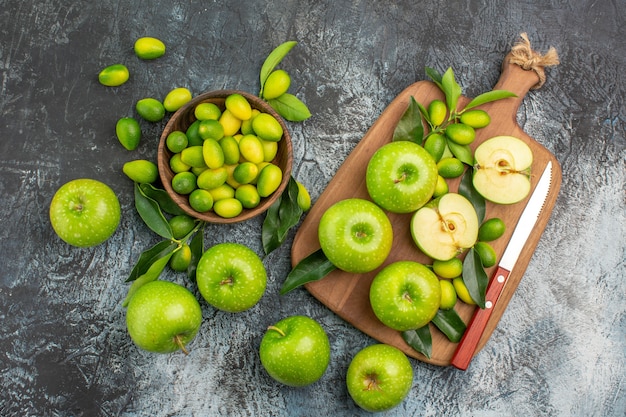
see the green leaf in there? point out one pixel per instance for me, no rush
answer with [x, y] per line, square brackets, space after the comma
[461, 152]
[197, 249]
[290, 107]
[162, 198]
[312, 268]
[467, 190]
[150, 275]
[274, 59]
[420, 340]
[451, 89]
[281, 217]
[410, 126]
[434, 75]
[450, 324]
[151, 214]
[148, 257]
[475, 277]
[488, 97]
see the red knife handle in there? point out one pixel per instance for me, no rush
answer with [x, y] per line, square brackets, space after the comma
[476, 327]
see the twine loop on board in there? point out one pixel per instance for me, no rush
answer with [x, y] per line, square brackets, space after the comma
[523, 55]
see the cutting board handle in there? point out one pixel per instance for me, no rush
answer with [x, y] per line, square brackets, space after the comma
[517, 80]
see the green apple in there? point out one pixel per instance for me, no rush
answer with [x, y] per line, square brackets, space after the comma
[295, 351]
[445, 227]
[84, 212]
[405, 295]
[231, 277]
[379, 377]
[355, 235]
[502, 169]
[163, 317]
[401, 176]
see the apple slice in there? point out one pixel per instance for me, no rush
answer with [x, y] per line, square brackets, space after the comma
[502, 169]
[445, 227]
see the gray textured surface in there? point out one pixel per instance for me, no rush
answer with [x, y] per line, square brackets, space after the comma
[559, 349]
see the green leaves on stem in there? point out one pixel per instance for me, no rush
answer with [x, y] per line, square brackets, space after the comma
[312, 268]
[284, 214]
[447, 321]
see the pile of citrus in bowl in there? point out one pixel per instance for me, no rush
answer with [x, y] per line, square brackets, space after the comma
[225, 156]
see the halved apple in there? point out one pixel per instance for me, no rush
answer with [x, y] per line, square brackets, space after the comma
[445, 227]
[502, 169]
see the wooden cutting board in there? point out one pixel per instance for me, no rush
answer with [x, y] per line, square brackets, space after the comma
[348, 294]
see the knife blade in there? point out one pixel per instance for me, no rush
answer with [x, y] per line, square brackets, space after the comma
[476, 327]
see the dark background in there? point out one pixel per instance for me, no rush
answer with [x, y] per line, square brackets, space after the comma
[559, 349]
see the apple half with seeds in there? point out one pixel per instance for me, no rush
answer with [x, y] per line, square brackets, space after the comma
[445, 227]
[502, 169]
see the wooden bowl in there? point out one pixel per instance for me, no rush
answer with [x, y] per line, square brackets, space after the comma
[184, 117]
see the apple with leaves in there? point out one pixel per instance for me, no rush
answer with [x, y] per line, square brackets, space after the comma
[445, 227]
[502, 169]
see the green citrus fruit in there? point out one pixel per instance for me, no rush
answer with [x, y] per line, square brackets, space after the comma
[176, 99]
[276, 84]
[435, 144]
[304, 199]
[177, 165]
[128, 132]
[181, 225]
[486, 253]
[150, 109]
[475, 118]
[267, 127]
[251, 148]
[462, 292]
[192, 134]
[149, 48]
[230, 149]
[246, 172]
[230, 123]
[176, 141]
[181, 258]
[449, 269]
[248, 195]
[437, 111]
[269, 180]
[238, 106]
[212, 178]
[210, 129]
[212, 153]
[228, 207]
[441, 187]
[222, 192]
[184, 182]
[491, 229]
[450, 167]
[201, 200]
[207, 111]
[193, 156]
[114, 75]
[448, 294]
[141, 171]
[461, 133]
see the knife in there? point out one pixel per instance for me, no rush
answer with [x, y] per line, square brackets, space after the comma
[476, 327]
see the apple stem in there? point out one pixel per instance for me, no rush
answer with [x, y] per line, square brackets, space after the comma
[372, 383]
[407, 297]
[178, 340]
[402, 178]
[277, 330]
